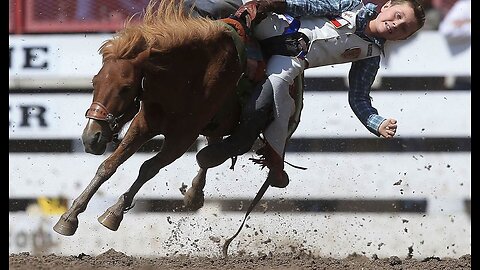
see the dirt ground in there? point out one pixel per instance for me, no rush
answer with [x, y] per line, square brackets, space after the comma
[117, 260]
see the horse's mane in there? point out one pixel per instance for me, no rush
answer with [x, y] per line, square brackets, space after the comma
[165, 24]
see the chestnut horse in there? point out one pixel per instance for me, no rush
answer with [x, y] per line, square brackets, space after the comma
[172, 74]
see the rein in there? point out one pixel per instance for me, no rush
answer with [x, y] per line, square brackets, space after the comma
[239, 36]
[252, 205]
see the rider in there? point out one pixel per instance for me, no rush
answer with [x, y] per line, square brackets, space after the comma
[337, 31]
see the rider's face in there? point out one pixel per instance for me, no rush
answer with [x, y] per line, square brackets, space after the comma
[394, 22]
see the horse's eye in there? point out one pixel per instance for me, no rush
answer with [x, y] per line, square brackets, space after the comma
[125, 90]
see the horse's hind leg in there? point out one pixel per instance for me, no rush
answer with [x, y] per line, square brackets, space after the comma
[68, 222]
[172, 149]
[193, 198]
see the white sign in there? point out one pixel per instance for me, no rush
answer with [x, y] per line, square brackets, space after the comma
[47, 116]
[54, 60]
[60, 61]
[437, 176]
[426, 54]
[325, 114]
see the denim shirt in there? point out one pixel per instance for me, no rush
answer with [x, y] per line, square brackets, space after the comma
[362, 72]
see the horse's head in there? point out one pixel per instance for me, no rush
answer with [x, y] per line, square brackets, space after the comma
[116, 99]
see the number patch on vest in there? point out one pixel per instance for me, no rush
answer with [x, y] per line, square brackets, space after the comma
[338, 22]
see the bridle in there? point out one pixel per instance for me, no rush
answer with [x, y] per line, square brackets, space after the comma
[99, 112]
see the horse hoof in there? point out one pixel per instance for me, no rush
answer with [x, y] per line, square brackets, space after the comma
[193, 200]
[110, 220]
[65, 227]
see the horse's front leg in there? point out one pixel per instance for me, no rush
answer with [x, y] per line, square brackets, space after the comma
[194, 198]
[173, 147]
[135, 137]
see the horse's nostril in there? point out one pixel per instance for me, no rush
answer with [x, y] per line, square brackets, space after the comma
[96, 137]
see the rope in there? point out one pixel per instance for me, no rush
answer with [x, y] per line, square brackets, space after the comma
[257, 198]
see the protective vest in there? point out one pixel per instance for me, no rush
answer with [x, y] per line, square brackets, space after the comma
[332, 40]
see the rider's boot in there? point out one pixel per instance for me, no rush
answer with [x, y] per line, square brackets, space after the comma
[240, 142]
[276, 176]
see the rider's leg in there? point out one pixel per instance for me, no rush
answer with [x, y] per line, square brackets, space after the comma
[283, 70]
[256, 116]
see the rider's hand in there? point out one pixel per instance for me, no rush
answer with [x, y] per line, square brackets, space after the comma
[251, 12]
[256, 10]
[388, 128]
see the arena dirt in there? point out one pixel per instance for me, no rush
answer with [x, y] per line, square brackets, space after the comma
[117, 260]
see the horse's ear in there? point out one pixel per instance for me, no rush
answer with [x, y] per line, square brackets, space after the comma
[141, 57]
[146, 60]
[144, 56]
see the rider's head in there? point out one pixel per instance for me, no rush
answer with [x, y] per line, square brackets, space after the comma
[397, 20]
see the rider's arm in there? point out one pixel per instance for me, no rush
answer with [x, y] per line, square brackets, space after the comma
[361, 77]
[320, 7]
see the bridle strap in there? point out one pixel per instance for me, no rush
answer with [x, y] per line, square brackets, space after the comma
[99, 112]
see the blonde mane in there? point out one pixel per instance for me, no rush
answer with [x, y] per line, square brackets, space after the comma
[163, 27]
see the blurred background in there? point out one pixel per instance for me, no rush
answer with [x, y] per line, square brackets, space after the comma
[409, 196]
